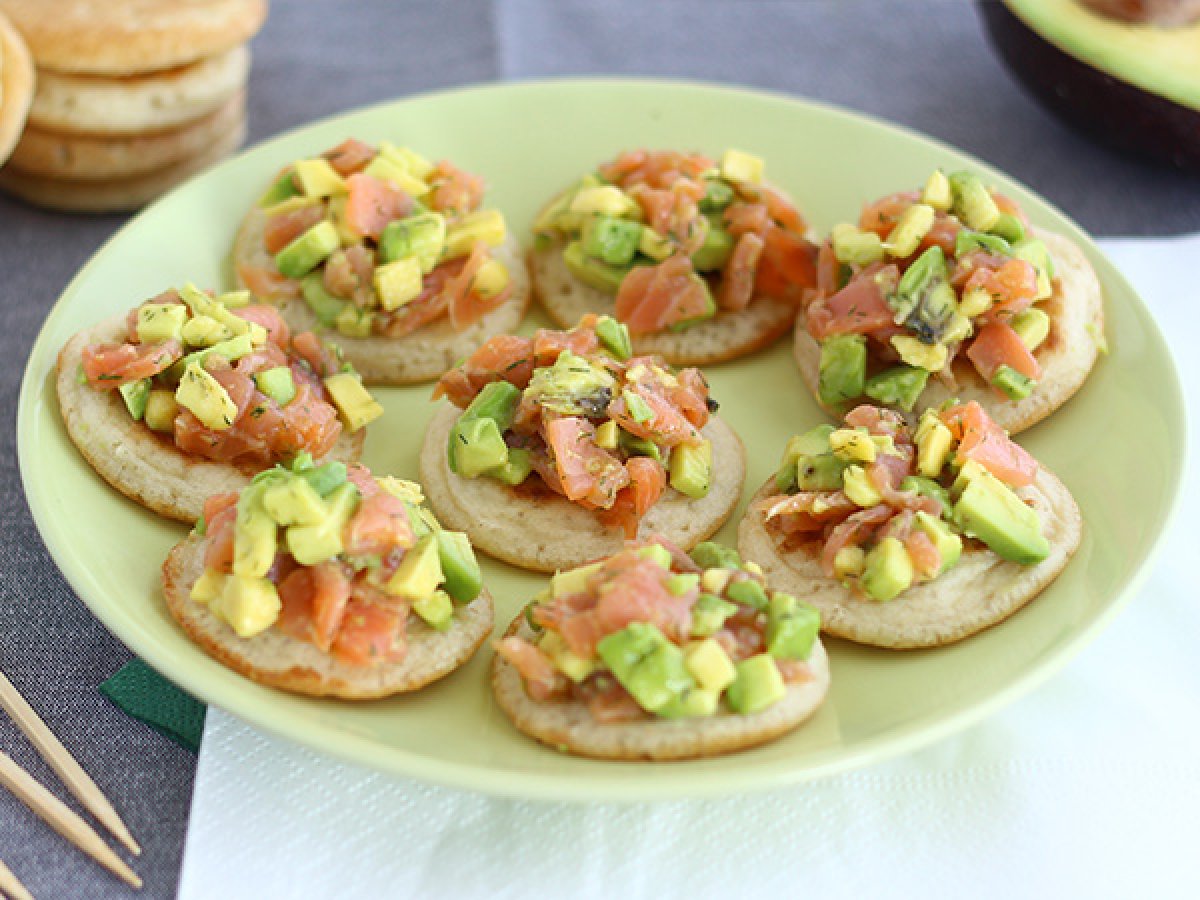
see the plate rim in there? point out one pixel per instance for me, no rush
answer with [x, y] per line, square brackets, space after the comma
[401, 763]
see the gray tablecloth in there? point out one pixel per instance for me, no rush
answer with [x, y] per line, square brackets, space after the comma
[923, 63]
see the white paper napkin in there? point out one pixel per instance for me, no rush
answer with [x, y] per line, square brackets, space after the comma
[1089, 787]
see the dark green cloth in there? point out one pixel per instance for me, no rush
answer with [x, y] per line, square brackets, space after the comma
[150, 698]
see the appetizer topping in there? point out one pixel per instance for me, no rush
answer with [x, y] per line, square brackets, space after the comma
[381, 241]
[227, 381]
[884, 506]
[652, 632]
[333, 556]
[572, 412]
[674, 237]
[921, 277]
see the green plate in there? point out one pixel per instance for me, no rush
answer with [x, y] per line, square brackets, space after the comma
[529, 140]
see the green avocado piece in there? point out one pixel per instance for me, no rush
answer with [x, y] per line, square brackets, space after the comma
[135, 394]
[973, 204]
[646, 664]
[1034, 251]
[323, 304]
[611, 240]
[637, 446]
[990, 510]
[308, 250]
[326, 477]
[968, 240]
[233, 349]
[898, 386]
[792, 627]
[716, 249]
[927, 487]
[497, 402]
[277, 383]
[516, 467]
[924, 299]
[1009, 227]
[573, 386]
[311, 544]
[460, 569]
[293, 501]
[809, 463]
[593, 272]
[1014, 385]
[757, 686]
[691, 469]
[420, 571]
[711, 555]
[718, 194]
[843, 369]
[1032, 326]
[478, 447]
[887, 570]
[747, 592]
[614, 337]
[254, 534]
[282, 188]
[657, 554]
[709, 613]
[436, 609]
[422, 235]
[949, 545]
[682, 583]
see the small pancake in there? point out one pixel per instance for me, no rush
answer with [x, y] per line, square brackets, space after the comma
[980, 590]
[421, 356]
[1076, 313]
[728, 335]
[138, 105]
[115, 194]
[131, 37]
[16, 87]
[546, 532]
[277, 660]
[95, 158]
[141, 465]
[569, 725]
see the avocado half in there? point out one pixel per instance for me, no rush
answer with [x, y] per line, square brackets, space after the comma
[1134, 86]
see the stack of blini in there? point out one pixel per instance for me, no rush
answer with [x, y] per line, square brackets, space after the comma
[132, 97]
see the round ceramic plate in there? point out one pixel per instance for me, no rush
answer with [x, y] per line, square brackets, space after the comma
[529, 140]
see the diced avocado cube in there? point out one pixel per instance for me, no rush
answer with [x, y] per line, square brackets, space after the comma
[135, 394]
[897, 386]
[747, 592]
[570, 664]
[293, 502]
[614, 337]
[636, 446]
[422, 236]
[282, 188]
[927, 487]
[709, 613]
[968, 241]
[254, 534]
[436, 609]
[460, 569]
[693, 703]
[855, 247]
[711, 555]
[573, 386]
[737, 165]
[206, 398]
[323, 304]
[312, 544]
[608, 435]
[203, 331]
[843, 368]
[716, 249]
[611, 240]
[277, 383]
[326, 477]
[419, 572]
[249, 604]
[485, 225]
[233, 349]
[516, 467]
[356, 405]
[973, 203]
[853, 445]
[208, 587]
[573, 581]
[691, 469]
[1032, 326]
[411, 160]
[910, 229]
[354, 321]
[318, 178]
[646, 664]
[859, 487]
[158, 322]
[758, 685]
[1035, 252]
[975, 302]
[161, 410]
[479, 448]
[948, 544]
[1009, 227]
[639, 410]
[715, 580]
[497, 402]
[398, 283]
[548, 220]
[792, 627]
[917, 353]
[1012, 383]
[656, 553]
[934, 443]
[308, 250]
[491, 279]
[607, 200]
[888, 570]
[969, 471]
[849, 562]
[992, 512]
[937, 192]
[387, 169]
[201, 304]
[709, 663]
[682, 583]
[654, 245]
[809, 464]
[717, 196]
[592, 272]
